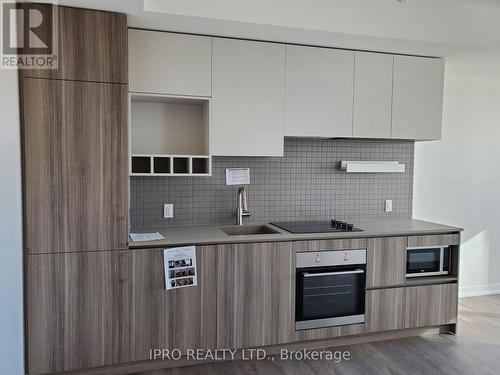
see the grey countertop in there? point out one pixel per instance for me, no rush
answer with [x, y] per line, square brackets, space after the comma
[212, 234]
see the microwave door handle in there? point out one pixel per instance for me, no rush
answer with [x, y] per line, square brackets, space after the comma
[306, 274]
[441, 260]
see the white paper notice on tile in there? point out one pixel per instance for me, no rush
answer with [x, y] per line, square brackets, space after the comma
[237, 176]
[180, 267]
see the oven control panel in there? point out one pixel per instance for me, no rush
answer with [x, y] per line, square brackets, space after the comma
[329, 258]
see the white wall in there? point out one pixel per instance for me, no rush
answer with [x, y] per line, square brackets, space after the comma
[11, 292]
[421, 27]
[471, 22]
[457, 180]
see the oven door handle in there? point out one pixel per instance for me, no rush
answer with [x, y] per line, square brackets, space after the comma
[306, 274]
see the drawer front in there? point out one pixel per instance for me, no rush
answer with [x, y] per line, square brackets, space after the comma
[431, 305]
[435, 240]
[385, 309]
[411, 307]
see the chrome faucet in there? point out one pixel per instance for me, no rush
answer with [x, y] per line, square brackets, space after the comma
[241, 206]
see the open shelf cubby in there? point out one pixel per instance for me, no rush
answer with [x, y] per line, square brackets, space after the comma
[161, 164]
[169, 136]
[171, 165]
[141, 164]
[200, 165]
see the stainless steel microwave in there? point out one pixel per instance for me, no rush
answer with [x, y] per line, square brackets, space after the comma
[428, 261]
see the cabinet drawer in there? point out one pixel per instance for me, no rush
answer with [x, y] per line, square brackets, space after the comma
[385, 309]
[411, 307]
[431, 305]
[436, 240]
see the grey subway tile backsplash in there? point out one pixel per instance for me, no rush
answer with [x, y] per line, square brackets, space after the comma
[306, 183]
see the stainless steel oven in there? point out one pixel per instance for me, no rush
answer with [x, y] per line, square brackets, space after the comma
[428, 261]
[330, 288]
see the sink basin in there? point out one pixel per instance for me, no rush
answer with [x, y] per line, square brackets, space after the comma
[245, 230]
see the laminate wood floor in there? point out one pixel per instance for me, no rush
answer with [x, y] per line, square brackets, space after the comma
[474, 351]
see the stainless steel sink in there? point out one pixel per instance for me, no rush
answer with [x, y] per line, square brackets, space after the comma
[245, 230]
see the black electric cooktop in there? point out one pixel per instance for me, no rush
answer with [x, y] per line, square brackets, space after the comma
[317, 226]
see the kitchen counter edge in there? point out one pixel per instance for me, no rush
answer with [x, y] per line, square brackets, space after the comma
[212, 234]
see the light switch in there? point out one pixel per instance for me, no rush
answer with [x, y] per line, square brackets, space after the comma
[168, 211]
[388, 205]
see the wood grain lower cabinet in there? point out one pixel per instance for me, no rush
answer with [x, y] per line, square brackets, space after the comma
[386, 262]
[411, 307]
[93, 309]
[255, 295]
[181, 318]
[78, 311]
[431, 305]
[385, 309]
[74, 140]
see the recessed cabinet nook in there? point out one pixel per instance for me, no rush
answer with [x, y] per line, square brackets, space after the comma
[150, 103]
[169, 135]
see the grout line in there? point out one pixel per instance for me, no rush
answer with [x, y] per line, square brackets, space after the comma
[353, 94]
[392, 94]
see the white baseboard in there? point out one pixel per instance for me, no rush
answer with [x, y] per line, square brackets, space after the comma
[480, 290]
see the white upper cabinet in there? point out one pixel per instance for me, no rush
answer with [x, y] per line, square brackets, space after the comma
[248, 91]
[417, 104]
[372, 95]
[261, 92]
[167, 63]
[319, 92]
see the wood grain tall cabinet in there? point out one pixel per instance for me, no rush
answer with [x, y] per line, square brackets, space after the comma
[75, 192]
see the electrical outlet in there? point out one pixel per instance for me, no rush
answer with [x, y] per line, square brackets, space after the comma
[168, 211]
[388, 205]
